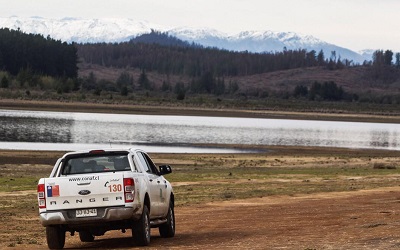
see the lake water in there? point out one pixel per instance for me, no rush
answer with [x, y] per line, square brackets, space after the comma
[72, 131]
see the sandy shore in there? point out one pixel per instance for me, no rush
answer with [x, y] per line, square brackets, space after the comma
[189, 111]
[49, 157]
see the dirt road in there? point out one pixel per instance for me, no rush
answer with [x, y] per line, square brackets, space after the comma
[346, 220]
[368, 218]
[355, 220]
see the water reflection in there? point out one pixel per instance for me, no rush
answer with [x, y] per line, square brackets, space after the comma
[34, 129]
[384, 139]
[103, 129]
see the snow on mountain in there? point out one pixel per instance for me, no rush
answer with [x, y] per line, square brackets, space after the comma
[367, 53]
[264, 41]
[79, 30]
[120, 30]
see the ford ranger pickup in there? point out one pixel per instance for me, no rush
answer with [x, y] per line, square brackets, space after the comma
[92, 192]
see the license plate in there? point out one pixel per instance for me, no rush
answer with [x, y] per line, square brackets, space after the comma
[86, 212]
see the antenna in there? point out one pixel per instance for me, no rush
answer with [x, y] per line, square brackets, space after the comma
[110, 143]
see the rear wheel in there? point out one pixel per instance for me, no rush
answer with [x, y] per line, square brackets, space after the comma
[55, 236]
[86, 236]
[167, 230]
[141, 228]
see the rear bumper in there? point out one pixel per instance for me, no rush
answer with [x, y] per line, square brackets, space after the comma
[104, 215]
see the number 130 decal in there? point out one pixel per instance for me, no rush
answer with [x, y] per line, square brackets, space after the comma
[115, 188]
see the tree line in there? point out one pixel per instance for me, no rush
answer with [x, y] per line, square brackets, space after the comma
[383, 67]
[148, 54]
[35, 61]
[326, 91]
[39, 55]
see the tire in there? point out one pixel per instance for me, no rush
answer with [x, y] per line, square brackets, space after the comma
[167, 230]
[141, 229]
[55, 236]
[86, 236]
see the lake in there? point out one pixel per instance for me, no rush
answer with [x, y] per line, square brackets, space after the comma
[42, 130]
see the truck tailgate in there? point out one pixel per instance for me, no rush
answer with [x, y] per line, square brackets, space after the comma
[85, 191]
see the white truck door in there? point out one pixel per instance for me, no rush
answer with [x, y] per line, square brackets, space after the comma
[153, 184]
[162, 187]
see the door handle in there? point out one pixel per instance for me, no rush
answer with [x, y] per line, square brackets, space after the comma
[83, 183]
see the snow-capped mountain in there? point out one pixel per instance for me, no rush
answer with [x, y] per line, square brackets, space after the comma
[260, 41]
[79, 30]
[263, 41]
[367, 53]
[120, 30]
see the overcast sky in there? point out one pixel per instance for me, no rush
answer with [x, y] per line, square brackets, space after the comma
[354, 24]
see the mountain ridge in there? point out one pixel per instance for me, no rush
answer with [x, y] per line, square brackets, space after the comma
[115, 30]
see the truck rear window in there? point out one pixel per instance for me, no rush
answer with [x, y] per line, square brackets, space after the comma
[95, 164]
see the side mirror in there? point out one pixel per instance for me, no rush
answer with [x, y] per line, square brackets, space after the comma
[165, 169]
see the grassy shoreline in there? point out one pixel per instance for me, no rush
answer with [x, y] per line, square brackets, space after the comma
[42, 157]
[225, 173]
[190, 111]
[275, 175]
[213, 177]
[276, 172]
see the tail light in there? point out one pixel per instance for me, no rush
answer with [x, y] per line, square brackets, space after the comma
[41, 196]
[129, 189]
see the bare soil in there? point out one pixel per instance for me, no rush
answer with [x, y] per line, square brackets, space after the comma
[362, 219]
[130, 108]
[355, 220]
[347, 220]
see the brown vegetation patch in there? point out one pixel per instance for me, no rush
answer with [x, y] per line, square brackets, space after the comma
[300, 198]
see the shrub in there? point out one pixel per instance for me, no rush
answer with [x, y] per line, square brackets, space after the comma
[378, 165]
[4, 82]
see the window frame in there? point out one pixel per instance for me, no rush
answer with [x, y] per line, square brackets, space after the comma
[64, 162]
[148, 163]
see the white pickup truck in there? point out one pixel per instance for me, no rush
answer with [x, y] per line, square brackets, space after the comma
[92, 192]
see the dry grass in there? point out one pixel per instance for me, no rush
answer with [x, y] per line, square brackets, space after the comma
[351, 79]
[202, 178]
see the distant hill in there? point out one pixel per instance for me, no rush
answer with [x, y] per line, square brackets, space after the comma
[264, 41]
[193, 60]
[162, 38]
[172, 62]
[277, 74]
[353, 80]
[122, 30]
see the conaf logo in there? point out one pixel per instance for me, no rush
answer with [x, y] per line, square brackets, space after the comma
[84, 192]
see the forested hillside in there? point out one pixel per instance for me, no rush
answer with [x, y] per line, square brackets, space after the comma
[194, 61]
[219, 72]
[164, 39]
[20, 51]
[157, 66]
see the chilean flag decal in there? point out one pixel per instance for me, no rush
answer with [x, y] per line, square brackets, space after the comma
[53, 191]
